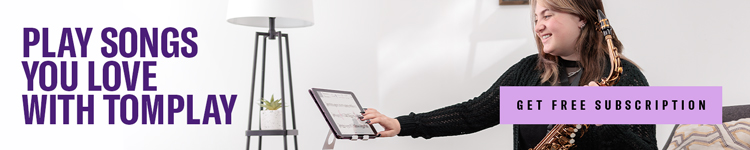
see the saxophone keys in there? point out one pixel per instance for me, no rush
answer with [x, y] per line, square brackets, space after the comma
[555, 146]
[563, 139]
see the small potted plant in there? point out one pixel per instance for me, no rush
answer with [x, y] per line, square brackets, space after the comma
[271, 117]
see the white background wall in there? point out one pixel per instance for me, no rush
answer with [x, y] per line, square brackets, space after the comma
[397, 56]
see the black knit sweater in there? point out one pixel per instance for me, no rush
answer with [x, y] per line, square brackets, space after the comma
[483, 112]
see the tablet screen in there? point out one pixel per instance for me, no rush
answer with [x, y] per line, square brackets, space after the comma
[345, 112]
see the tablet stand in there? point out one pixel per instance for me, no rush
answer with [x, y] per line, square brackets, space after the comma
[327, 146]
[285, 131]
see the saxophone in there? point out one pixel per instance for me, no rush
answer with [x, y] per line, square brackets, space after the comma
[614, 55]
[562, 136]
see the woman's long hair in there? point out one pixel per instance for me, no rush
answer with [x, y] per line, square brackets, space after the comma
[590, 44]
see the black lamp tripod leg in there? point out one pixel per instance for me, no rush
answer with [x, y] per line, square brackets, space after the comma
[291, 92]
[262, 84]
[283, 99]
[252, 92]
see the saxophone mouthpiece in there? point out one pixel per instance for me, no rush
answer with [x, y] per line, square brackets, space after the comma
[604, 22]
[600, 14]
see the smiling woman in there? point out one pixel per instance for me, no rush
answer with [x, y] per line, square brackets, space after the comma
[561, 31]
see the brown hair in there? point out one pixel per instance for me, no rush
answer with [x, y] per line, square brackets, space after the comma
[590, 44]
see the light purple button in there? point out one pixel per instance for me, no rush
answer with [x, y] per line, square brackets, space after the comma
[637, 105]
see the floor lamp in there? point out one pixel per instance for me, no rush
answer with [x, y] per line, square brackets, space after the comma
[271, 14]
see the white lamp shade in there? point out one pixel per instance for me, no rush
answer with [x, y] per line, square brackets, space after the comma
[288, 13]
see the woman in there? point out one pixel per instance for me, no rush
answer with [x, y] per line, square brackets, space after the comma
[571, 52]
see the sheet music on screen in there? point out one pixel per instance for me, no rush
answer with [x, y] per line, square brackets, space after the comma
[345, 113]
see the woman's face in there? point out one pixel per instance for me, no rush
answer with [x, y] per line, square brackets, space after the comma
[558, 31]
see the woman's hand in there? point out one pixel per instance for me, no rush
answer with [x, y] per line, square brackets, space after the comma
[592, 83]
[392, 126]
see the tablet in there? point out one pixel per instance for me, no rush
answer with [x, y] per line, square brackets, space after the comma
[342, 110]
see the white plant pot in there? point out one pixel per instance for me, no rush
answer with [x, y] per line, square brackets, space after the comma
[271, 120]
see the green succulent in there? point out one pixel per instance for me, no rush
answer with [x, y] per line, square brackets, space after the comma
[273, 104]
